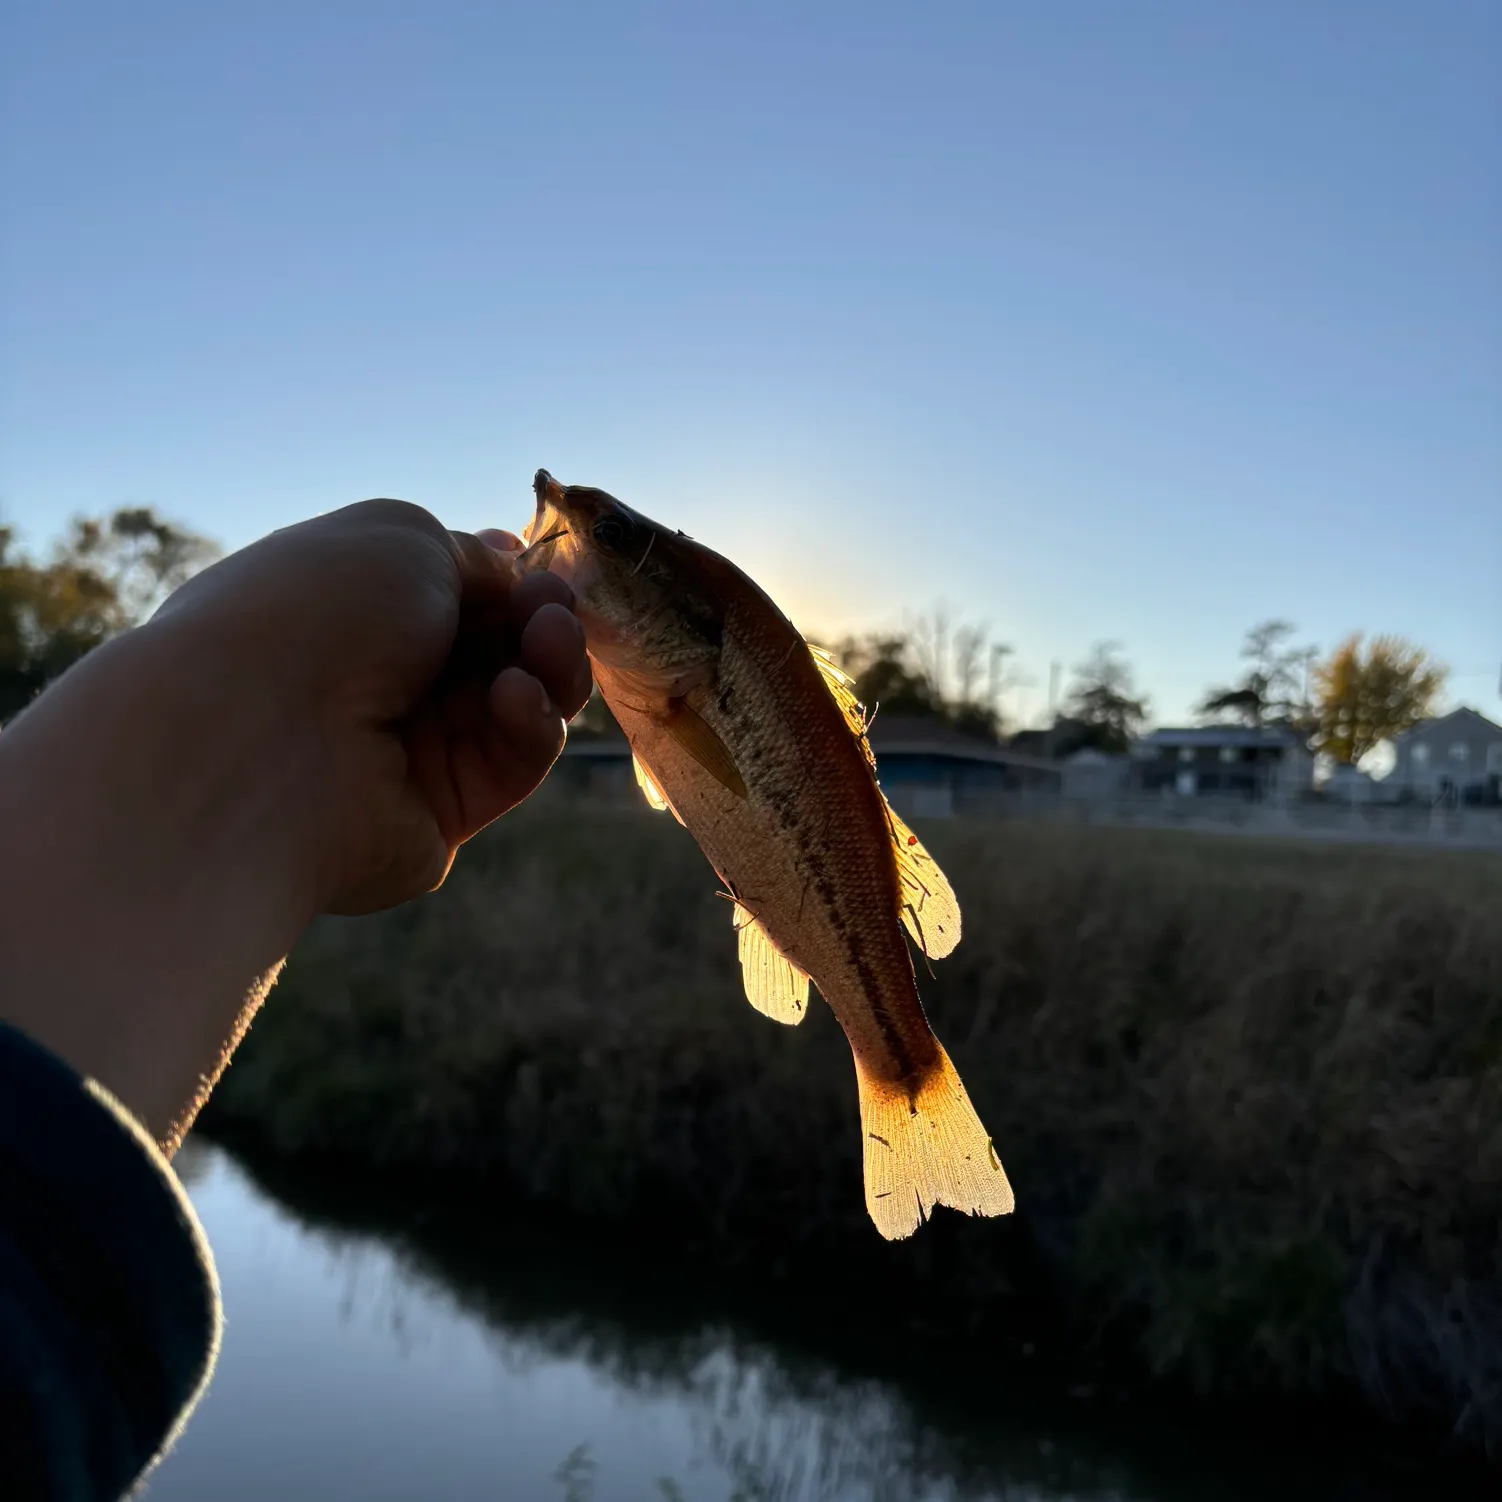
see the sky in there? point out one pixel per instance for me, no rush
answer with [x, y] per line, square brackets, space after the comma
[1089, 321]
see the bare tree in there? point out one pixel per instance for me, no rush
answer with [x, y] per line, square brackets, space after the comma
[929, 635]
[969, 654]
[938, 666]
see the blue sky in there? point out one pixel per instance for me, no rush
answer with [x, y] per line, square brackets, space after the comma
[1093, 320]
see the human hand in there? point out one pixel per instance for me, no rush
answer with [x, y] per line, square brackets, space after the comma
[313, 724]
[430, 685]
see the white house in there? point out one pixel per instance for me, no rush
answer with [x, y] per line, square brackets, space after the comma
[1349, 784]
[1458, 755]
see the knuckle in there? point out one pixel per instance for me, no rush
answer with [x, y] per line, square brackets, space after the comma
[384, 511]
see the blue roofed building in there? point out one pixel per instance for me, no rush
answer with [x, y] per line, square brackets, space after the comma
[1225, 761]
[929, 769]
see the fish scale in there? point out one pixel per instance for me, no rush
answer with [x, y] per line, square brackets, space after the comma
[817, 875]
[756, 744]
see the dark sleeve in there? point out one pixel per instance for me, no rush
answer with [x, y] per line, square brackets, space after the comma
[109, 1308]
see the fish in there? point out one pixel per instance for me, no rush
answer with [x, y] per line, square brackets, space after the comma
[755, 741]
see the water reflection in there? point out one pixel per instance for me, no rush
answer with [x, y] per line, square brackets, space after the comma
[376, 1353]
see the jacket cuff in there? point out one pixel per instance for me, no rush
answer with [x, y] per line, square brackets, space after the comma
[109, 1304]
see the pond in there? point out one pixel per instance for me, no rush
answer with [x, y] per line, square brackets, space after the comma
[366, 1358]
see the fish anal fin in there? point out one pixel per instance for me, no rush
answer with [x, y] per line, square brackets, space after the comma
[699, 740]
[930, 910]
[926, 1148]
[775, 986]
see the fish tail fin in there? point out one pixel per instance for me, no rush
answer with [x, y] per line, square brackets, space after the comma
[926, 1147]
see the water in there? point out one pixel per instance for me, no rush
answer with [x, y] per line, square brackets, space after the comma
[363, 1358]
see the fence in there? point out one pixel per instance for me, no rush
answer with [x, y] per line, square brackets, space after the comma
[607, 781]
[1303, 819]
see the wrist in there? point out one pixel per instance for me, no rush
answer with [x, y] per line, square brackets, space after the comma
[160, 858]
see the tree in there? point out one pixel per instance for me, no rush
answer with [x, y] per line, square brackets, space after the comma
[1275, 688]
[1104, 711]
[1365, 696]
[885, 675]
[142, 557]
[928, 645]
[107, 575]
[934, 669]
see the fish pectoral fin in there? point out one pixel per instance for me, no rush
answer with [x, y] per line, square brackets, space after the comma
[650, 791]
[930, 910]
[925, 1146]
[775, 986]
[654, 795]
[695, 736]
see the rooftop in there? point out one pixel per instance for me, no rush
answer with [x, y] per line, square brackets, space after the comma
[1462, 712]
[890, 735]
[1243, 736]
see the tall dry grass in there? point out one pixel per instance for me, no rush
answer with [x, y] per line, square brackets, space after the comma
[1249, 1094]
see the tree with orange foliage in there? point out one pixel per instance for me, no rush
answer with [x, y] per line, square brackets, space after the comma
[1365, 695]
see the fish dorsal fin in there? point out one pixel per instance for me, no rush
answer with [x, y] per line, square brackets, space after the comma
[775, 986]
[930, 910]
[650, 791]
[706, 748]
[841, 687]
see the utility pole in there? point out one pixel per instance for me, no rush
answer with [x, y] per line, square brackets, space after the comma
[1054, 670]
[1308, 657]
[1000, 651]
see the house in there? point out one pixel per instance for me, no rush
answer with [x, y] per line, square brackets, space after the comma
[1092, 775]
[1036, 743]
[1057, 741]
[1348, 784]
[1228, 761]
[1456, 757]
[928, 769]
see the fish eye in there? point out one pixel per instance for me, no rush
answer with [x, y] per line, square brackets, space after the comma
[614, 530]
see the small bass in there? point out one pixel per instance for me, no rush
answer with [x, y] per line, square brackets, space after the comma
[754, 740]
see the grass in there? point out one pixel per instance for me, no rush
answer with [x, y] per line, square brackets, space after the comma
[1249, 1093]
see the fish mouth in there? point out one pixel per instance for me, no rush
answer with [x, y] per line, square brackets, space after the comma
[546, 488]
[549, 515]
[551, 546]
[550, 520]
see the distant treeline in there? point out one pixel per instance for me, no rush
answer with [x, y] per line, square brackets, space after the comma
[108, 573]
